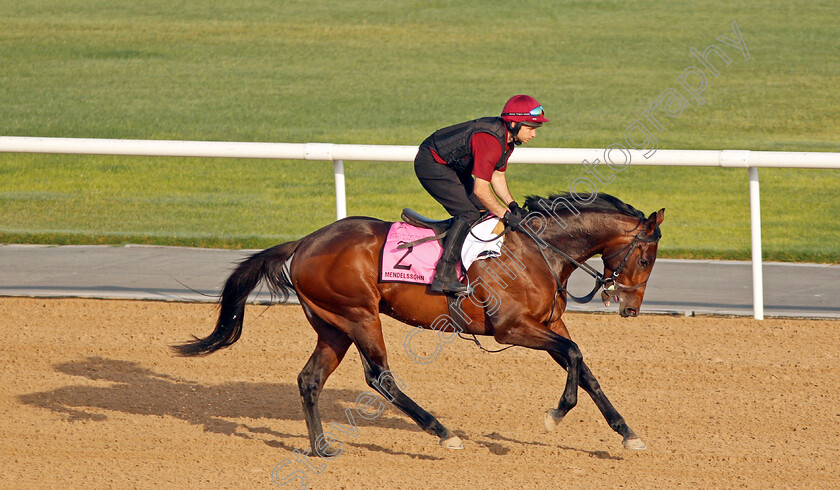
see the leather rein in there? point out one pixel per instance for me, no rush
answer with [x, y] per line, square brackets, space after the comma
[610, 284]
[600, 282]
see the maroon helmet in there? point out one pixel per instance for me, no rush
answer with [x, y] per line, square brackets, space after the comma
[524, 109]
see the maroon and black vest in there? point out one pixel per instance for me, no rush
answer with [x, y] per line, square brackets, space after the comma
[452, 143]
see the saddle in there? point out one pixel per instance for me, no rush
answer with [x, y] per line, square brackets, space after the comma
[439, 226]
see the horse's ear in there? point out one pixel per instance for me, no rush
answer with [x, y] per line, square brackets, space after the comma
[660, 215]
[654, 220]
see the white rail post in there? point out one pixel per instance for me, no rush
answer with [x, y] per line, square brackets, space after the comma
[340, 197]
[755, 233]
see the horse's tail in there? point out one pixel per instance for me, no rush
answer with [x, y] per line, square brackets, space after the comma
[268, 265]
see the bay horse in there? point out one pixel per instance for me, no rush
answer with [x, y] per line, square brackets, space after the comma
[335, 273]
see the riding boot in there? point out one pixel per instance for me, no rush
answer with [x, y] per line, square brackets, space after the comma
[446, 278]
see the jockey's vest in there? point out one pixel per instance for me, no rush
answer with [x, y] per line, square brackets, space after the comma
[452, 143]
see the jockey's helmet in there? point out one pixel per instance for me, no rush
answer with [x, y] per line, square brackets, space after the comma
[524, 109]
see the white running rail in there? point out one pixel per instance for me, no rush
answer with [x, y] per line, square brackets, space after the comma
[338, 153]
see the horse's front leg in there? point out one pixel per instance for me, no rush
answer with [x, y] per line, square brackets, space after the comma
[588, 382]
[591, 386]
[534, 335]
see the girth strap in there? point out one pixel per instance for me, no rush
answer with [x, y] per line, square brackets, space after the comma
[455, 316]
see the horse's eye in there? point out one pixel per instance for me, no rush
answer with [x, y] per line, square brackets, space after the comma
[644, 263]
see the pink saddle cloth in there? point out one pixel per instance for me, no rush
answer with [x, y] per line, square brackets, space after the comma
[415, 264]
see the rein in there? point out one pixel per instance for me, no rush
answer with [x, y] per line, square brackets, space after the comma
[600, 282]
[599, 278]
[610, 284]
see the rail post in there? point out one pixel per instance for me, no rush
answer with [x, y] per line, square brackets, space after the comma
[755, 232]
[340, 195]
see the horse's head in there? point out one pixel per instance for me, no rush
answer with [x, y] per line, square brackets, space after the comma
[628, 262]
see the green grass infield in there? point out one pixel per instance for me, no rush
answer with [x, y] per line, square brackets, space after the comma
[372, 72]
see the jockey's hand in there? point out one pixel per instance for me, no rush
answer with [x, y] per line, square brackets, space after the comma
[515, 217]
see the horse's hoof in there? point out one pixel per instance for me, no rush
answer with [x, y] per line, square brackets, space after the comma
[635, 444]
[552, 419]
[453, 442]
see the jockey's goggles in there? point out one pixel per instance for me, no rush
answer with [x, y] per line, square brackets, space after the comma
[535, 112]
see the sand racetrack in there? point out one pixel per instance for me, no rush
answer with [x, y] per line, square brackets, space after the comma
[93, 398]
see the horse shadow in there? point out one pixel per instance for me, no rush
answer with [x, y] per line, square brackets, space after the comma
[138, 390]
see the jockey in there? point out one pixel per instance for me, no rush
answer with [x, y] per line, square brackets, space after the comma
[463, 168]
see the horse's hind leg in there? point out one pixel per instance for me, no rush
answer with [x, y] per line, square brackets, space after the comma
[380, 378]
[329, 351]
[363, 326]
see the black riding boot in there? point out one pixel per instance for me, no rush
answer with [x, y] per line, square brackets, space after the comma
[446, 278]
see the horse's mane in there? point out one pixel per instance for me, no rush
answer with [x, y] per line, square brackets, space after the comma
[559, 203]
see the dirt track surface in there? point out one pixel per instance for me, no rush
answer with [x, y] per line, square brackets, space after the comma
[93, 398]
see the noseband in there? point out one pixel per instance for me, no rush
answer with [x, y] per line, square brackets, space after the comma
[615, 286]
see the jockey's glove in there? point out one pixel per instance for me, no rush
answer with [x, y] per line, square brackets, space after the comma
[514, 218]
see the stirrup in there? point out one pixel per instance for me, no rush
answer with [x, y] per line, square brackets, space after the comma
[452, 287]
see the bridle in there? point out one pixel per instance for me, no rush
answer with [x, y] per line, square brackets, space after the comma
[610, 284]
